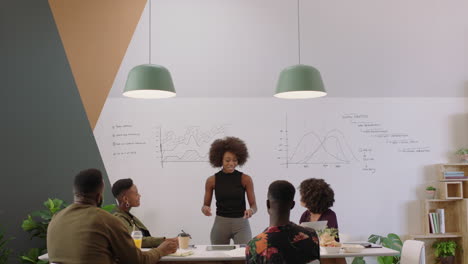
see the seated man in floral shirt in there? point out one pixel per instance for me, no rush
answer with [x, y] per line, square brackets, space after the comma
[283, 241]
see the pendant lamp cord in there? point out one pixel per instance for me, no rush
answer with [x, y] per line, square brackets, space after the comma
[149, 41]
[298, 33]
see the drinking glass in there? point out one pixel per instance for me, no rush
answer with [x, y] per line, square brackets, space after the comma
[137, 238]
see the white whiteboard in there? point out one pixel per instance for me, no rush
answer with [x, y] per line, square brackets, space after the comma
[377, 153]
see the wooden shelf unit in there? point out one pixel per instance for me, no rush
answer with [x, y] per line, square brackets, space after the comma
[453, 198]
[453, 187]
[432, 236]
[452, 167]
[451, 190]
[452, 209]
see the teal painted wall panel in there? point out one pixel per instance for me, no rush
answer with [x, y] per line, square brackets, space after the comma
[45, 134]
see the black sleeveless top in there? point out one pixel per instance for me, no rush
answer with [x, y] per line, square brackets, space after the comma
[230, 194]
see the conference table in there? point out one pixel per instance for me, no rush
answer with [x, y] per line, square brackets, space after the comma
[199, 255]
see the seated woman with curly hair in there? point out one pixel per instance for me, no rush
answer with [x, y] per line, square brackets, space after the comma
[317, 196]
[230, 186]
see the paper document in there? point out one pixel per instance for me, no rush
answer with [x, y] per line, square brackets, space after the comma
[238, 252]
[181, 253]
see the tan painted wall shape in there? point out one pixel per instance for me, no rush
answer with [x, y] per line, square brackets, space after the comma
[95, 35]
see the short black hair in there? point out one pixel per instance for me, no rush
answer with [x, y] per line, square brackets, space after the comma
[317, 195]
[120, 186]
[282, 191]
[88, 181]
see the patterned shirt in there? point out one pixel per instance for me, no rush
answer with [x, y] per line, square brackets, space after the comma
[288, 244]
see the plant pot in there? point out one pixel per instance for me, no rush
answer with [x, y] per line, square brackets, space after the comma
[430, 194]
[447, 260]
[464, 158]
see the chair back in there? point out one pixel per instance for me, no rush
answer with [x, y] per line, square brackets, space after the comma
[413, 252]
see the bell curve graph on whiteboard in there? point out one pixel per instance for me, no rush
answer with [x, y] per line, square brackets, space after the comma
[330, 149]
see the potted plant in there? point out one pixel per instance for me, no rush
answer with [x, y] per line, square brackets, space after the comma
[463, 154]
[430, 192]
[445, 251]
[391, 241]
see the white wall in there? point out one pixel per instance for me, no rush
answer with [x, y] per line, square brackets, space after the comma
[363, 48]
[385, 148]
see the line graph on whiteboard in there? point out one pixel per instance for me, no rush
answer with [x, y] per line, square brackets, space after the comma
[192, 145]
[329, 149]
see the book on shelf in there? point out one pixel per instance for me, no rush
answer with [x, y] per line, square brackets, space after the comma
[456, 178]
[437, 222]
[454, 173]
[441, 216]
[432, 223]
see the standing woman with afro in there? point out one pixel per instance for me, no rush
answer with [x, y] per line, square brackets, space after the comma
[230, 187]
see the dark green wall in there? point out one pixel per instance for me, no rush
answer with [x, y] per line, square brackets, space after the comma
[46, 138]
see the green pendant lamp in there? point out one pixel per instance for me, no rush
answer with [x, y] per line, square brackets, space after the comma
[149, 80]
[300, 81]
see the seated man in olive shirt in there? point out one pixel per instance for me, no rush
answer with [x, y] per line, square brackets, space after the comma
[84, 233]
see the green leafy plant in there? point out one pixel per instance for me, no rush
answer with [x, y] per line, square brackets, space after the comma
[33, 256]
[109, 207]
[444, 248]
[37, 222]
[462, 151]
[36, 225]
[391, 241]
[430, 188]
[4, 251]
[333, 232]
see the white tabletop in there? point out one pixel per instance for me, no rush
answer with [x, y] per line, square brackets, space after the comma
[367, 252]
[201, 254]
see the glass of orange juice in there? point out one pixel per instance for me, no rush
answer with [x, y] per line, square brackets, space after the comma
[137, 238]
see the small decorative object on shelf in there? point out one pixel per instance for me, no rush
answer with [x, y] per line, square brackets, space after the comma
[463, 154]
[445, 251]
[430, 192]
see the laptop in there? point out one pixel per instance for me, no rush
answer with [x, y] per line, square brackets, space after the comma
[317, 225]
